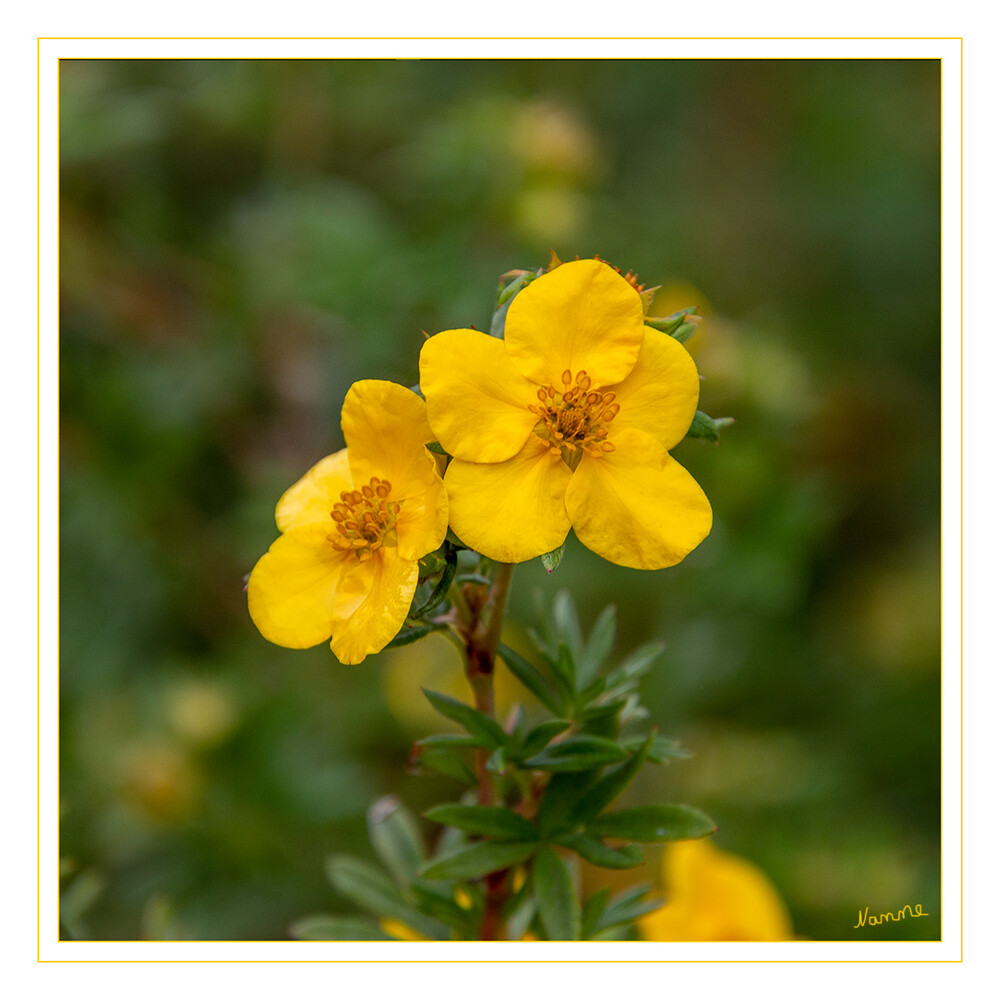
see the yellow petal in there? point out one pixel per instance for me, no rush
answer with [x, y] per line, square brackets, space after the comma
[514, 510]
[423, 522]
[477, 401]
[293, 589]
[583, 316]
[714, 895]
[660, 395]
[637, 506]
[385, 426]
[385, 585]
[312, 498]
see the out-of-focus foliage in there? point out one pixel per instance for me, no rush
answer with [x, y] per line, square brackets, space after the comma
[242, 240]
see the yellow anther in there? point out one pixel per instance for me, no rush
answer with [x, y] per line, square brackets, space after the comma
[567, 377]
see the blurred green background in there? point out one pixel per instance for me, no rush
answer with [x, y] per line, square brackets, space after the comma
[241, 240]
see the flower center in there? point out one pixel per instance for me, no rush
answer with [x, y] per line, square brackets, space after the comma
[365, 519]
[574, 419]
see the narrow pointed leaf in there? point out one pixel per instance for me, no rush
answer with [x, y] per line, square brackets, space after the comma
[530, 677]
[323, 927]
[543, 734]
[490, 821]
[448, 763]
[407, 635]
[396, 839]
[610, 785]
[598, 853]
[369, 888]
[653, 824]
[599, 643]
[487, 731]
[577, 753]
[558, 907]
[480, 859]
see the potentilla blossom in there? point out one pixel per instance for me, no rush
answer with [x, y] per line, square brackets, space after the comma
[567, 423]
[353, 530]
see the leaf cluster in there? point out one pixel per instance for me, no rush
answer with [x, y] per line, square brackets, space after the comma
[555, 782]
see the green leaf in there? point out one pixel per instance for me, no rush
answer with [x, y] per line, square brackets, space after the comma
[395, 838]
[598, 853]
[490, 821]
[551, 560]
[480, 859]
[497, 761]
[540, 737]
[408, 634]
[438, 901]
[592, 911]
[626, 908]
[325, 927]
[369, 888]
[577, 753]
[447, 741]
[488, 732]
[634, 666]
[610, 785]
[653, 824]
[530, 678]
[567, 624]
[662, 750]
[564, 670]
[599, 643]
[558, 907]
[435, 446]
[562, 794]
[448, 763]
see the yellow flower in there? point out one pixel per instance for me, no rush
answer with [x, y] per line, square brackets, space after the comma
[567, 422]
[353, 529]
[713, 895]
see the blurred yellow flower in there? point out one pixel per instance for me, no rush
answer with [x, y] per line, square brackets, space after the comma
[567, 422]
[713, 895]
[353, 529]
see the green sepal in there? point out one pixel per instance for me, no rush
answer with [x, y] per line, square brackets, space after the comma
[395, 838]
[480, 859]
[490, 821]
[530, 678]
[440, 592]
[577, 753]
[598, 853]
[435, 446]
[488, 732]
[558, 907]
[707, 428]
[679, 325]
[653, 824]
[327, 927]
[370, 889]
[551, 560]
